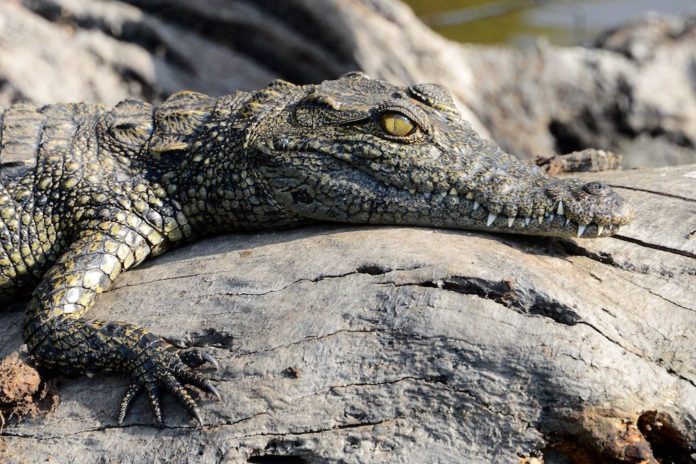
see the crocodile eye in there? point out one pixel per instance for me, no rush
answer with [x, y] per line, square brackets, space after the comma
[397, 124]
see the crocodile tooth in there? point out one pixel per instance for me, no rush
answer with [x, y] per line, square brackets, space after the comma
[491, 219]
[560, 210]
[427, 195]
[567, 221]
[600, 229]
[453, 192]
[527, 220]
[540, 219]
[616, 229]
[476, 205]
[511, 221]
[581, 229]
[470, 196]
[551, 216]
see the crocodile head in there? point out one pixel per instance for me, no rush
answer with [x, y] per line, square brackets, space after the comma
[362, 150]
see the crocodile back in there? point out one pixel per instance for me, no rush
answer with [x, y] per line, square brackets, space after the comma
[32, 140]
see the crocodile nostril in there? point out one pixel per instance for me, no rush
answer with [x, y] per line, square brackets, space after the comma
[596, 188]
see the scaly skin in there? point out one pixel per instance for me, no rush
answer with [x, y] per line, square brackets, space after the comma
[111, 188]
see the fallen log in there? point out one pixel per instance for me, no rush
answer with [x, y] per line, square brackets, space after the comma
[391, 344]
[347, 344]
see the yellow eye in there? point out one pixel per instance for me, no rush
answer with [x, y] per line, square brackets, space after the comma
[397, 124]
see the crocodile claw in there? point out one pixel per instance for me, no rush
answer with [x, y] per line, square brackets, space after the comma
[130, 395]
[195, 357]
[211, 360]
[197, 414]
[153, 396]
[209, 386]
[161, 367]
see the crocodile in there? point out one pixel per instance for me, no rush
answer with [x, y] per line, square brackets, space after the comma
[111, 187]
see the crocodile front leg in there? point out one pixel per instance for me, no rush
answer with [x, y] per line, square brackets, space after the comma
[60, 337]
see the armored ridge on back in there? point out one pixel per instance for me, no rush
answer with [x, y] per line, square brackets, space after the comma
[111, 188]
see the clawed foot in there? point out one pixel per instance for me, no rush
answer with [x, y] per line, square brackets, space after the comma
[157, 365]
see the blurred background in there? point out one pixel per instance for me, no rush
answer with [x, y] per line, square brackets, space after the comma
[519, 22]
[630, 87]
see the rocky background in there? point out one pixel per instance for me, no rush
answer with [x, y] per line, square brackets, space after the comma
[341, 344]
[631, 91]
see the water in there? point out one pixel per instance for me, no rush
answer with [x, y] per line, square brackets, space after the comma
[519, 22]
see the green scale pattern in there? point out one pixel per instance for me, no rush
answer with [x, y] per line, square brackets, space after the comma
[110, 188]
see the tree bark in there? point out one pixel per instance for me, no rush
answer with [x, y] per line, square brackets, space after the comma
[388, 344]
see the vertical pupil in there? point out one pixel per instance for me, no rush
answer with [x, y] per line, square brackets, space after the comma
[397, 124]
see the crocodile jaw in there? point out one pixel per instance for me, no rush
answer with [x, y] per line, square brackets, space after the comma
[326, 156]
[451, 211]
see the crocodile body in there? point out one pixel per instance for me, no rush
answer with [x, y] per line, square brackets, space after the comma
[113, 187]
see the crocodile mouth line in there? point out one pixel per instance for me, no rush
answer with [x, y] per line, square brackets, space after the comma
[484, 219]
[551, 222]
[555, 221]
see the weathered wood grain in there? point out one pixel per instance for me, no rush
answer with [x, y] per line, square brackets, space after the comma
[346, 344]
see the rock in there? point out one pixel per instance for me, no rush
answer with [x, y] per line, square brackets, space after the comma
[393, 344]
[589, 160]
[629, 92]
[74, 50]
[18, 383]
